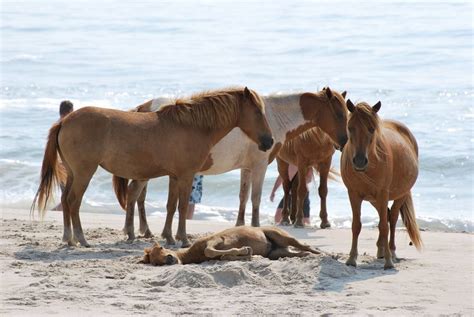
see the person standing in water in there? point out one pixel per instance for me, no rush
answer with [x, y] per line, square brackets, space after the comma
[65, 108]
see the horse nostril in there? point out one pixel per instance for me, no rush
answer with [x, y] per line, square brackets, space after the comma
[366, 161]
[354, 160]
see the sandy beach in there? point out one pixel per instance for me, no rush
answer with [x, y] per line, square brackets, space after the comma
[42, 276]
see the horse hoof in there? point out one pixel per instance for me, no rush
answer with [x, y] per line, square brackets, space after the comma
[388, 266]
[351, 262]
[170, 241]
[185, 244]
[248, 251]
[325, 225]
[240, 223]
[255, 224]
[148, 234]
[298, 225]
[85, 244]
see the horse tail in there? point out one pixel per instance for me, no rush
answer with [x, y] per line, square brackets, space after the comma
[407, 212]
[120, 188]
[51, 171]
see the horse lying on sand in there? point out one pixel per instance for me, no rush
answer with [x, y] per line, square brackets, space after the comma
[378, 164]
[287, 115]
[312, 148]
[173, 141]
[238, 243]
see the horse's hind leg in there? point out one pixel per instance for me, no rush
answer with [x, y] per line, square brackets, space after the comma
[283, 171]
[258, 176]
[67, 233]
[245, 176]
[229, 254]
[285, 253]
[323, 192]
[393, 218]
[144, 229]
[185, 184]
[79, 185]
[171, 209]
[134, 189]
[283, 240]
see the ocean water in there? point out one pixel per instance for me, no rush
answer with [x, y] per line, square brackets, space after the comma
[414, 56]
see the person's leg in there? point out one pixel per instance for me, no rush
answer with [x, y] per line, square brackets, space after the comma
[190, 213]
[195, 196]
[278, 212]
[306, 209]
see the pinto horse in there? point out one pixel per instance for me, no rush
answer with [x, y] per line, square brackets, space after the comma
[141, 146]
[378, 164]
[312, 148]
[287, 115]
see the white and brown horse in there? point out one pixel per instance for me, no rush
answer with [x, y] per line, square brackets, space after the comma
[141, 146]
[378, 164]
[287, 115]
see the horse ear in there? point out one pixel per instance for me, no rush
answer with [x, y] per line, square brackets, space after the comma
[350, 105]
[328, 92]
[377, 106]
[344, 93]
[147, 250]
[247, 93]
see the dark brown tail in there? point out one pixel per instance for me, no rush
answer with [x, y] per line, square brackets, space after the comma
[407, 212]
[52, 174]
[120, 188]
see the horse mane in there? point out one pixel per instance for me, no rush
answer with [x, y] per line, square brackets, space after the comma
[364, 116]
[207, 110]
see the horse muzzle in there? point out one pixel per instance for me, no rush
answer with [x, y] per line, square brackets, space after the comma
[360, 163]
[342, 140]
[266, 143]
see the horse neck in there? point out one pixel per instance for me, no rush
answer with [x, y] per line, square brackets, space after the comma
[189, 255]
[283, 115]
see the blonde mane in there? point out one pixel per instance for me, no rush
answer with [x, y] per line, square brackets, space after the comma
[207, 110]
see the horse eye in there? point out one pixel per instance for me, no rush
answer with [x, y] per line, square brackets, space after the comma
[371, 130]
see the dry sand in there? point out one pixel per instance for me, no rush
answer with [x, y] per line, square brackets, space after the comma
[42, 276]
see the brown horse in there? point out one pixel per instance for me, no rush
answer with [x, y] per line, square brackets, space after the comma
[287, 115]
[380, 163]
[312, 148]
[238, 243]
[174, 141]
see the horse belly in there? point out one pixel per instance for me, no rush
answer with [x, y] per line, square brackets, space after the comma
[405, 167]
[230, 153]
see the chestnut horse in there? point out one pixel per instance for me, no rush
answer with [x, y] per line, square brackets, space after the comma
[173, 141]
[234, 244]
[378, 164]
[312, 148]
[287, 115]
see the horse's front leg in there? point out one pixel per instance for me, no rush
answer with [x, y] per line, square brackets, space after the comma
[133, 191]
[283, 171]
[171, 208]
[356, 202]
[258, 176]
[323, 192]
[245, 175]
[144, 229]
[185, 184]
[382, 208]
